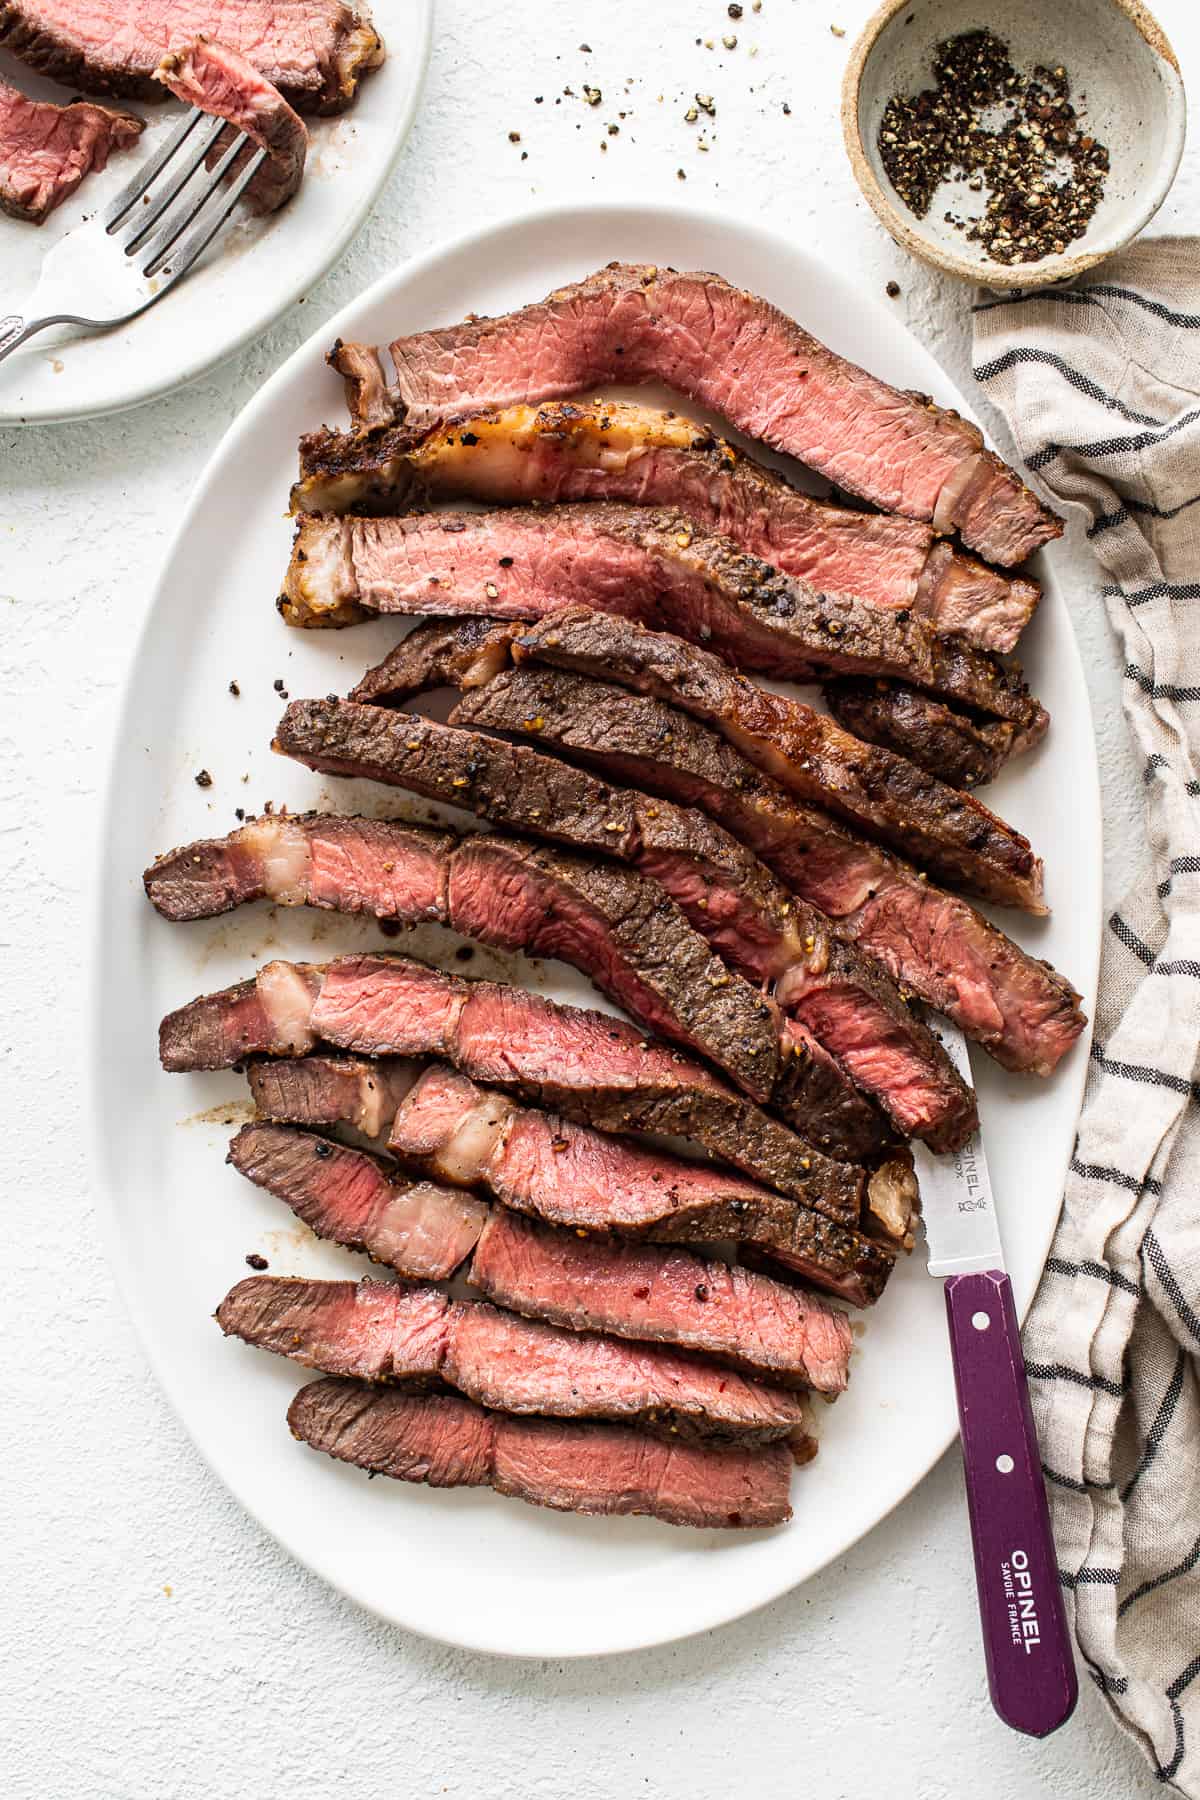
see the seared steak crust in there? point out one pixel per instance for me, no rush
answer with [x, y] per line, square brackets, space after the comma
[729, 351]
[931, 942]
[952, 834]
[604, 450]
[313, 51]
[872, 789]
[961, 751]
[446, 1441]
[721, 888]
[660, 568]
[382, 1332]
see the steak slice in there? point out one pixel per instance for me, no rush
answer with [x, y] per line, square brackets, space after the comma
[331, 1090]
[727, 350]
[46, 150]
[445, 1441]
[962, 751]
[659, 568]
[313, 51]
[874, 790]
[889, 798]
[605, 450]
[596, 1069]
[618, 926]
[225, 83]
[722, 890]
[379, 1331]
[781, 1334]
[931, 942]
[420, 1230]
[543, 1165]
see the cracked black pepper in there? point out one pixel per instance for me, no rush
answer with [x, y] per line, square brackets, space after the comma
[1016, 139]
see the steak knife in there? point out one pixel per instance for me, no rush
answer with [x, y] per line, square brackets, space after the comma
[1026, 1641]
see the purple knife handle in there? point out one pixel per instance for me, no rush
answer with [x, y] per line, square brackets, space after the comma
[1030, 1664]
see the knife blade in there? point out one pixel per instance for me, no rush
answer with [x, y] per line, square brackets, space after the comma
[1027, 1645]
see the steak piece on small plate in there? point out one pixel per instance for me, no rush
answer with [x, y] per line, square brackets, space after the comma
[732, 352]
[223, 82]
[446, 1441]
[46, 150]
[379, 1331]
[313, 51]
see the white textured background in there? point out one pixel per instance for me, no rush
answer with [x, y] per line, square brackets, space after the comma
[154, 1642]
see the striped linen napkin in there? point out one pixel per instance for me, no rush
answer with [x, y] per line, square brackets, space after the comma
[1100, 384]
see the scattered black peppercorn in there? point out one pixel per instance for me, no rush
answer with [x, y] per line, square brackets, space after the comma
[735, 11]
[255, 1261]
[1043, 174]
[277, 684]
[204, 779]
[234, 689]
[239, 813]
[893, 290]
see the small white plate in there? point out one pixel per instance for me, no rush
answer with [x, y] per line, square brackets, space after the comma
[470, 1567]
[255, 271]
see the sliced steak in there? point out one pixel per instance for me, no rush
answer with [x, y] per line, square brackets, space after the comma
[226, 84]
[604, 450]
[347, 865]
[445, 1441]
[631, 938]
[659, 568]
[331, 1090]
[420, 1230]
[542, 1164]
[931, 942]
[962, 751]
[46, 150]
[721, 888]
[379, 1331]
[619, 927]
[880, 793]
[781, 1334]
[952, 834]
[596, 1069]
[732, 352]
[314, 51]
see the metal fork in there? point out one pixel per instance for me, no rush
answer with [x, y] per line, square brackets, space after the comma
[143, 243]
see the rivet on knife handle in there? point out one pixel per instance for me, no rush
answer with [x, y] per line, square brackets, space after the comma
[1030, 1665]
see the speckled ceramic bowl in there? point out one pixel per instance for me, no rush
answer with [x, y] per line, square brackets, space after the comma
[1118, 61]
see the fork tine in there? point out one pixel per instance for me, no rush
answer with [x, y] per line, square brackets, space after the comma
[134, 188]
[190, 206]
[148, 217]
[206, 228]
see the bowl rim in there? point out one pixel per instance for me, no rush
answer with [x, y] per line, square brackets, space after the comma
[894, 216]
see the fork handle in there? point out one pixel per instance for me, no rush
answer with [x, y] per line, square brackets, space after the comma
[15, 331]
